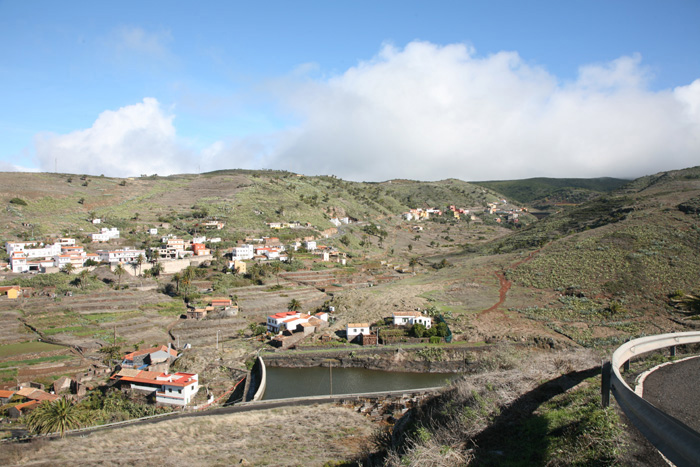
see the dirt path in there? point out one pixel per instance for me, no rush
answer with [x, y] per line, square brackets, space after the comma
[506, 284]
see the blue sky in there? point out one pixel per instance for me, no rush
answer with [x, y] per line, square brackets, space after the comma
[362, 90]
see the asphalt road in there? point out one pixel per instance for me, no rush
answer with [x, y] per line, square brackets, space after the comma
[675, 389]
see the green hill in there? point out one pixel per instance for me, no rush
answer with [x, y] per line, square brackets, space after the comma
[544, 192]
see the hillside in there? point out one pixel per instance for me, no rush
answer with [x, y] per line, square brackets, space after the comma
[245, 200]
[577, 282]
[543, 193]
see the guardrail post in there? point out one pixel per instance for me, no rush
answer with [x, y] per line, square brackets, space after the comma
[626, 366]
[606, 369]
[673, 350]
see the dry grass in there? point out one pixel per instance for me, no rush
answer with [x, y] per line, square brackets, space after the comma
[286, 436]
[446, 431]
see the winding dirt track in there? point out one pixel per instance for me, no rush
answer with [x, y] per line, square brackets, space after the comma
[506, 284]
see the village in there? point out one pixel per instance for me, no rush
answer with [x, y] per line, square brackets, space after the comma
[147, 372]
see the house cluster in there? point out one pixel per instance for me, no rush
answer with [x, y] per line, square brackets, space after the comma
[361, 333]
[503, 211]
[421, 214]
[291, 326]
[146, 371]
[458, 212]
[26, 399]
[39, 256]
[178, 248]
[287, 225]
[28, 396]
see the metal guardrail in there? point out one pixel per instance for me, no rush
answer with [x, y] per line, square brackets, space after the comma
[674, 439]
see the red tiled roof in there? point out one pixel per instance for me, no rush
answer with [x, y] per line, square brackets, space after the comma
[6, 394]
[36, 394]
[27, 405]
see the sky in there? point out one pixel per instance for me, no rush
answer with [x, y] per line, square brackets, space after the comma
[366, 91]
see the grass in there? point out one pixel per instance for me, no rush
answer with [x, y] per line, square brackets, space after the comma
[169, 308]
[35, 361]
[337, 435]
[645, 258]
[572, 429]
[533, 189]
[10, 350]
[513, 417]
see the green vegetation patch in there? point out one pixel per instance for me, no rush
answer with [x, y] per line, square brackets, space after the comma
[10, 350]
[532, 189]
[644, 258]
[35, 361]
[170, 308]
[570, 429]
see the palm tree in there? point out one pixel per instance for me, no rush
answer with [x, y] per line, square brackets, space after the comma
[119, 271]
[140, 259]
[59, 416]
[294, 305]
[413, 262]
[277, 267]
[156, 269]
[176, 278]
[186, 281]
[68, 268]
[83, 278]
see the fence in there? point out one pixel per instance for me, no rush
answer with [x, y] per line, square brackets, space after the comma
[675, 440]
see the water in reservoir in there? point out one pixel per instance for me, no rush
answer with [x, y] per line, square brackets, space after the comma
[299, 382]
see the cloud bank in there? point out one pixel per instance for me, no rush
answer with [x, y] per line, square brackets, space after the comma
[424, 112]
[136, 139]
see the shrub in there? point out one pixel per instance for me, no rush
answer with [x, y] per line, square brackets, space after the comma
[18, 201]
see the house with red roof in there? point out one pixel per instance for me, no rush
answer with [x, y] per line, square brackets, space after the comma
[143, 359]
[172, 389]
[5, 396]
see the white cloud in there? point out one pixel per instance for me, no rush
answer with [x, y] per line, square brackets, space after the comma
[136, 139]
[431, 112]
[423, 112]
[134, 40]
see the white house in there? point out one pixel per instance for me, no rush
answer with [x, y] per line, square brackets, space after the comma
[18, 262]
[242, 252]
[33, 249]
[178, 389]
[125, 255]
[409, 318]
[105, 235]
[22, 253]
[352, 330]
[335, 221]
[310, 245]
[172, 389]
[286, 320]
[153, 231]
[175, 243]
